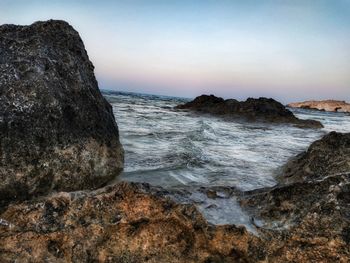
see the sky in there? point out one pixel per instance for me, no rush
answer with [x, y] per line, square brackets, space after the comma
[290, 50]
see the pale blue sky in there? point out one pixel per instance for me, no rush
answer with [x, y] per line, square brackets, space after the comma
[289, 50]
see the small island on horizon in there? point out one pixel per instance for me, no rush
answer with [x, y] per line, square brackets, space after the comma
[322, 105]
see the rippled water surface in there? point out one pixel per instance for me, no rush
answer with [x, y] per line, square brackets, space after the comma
[176, 149]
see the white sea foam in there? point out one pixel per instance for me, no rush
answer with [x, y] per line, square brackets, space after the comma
[173, 148]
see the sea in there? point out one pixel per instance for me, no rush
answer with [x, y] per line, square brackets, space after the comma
[183, 150]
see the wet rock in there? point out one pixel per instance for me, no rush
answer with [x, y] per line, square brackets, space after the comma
[309, 210]
[121, 223]
[311, 217]
[57, 132]
[134, 223]
[327, 156]
[262, 109]
[323, 105]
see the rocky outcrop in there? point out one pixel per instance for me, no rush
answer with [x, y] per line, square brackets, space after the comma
[121, 223]
[304, 221]
[135, 223]
[57, 132]
[323, 105]
[262, 109]
[310, 208]
[325, 157]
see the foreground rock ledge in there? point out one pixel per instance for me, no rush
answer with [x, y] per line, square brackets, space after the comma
[122, 223]
[262, 109]
[135, 223]
[57, 132]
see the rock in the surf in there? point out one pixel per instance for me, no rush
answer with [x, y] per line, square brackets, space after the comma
[262, 109]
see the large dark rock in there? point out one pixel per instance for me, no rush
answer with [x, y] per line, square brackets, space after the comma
[57, 132]
[327, 156]
[262, 109]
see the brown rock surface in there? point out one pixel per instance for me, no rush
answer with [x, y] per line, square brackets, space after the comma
[121, 223]
[135, 223]
[323, 105]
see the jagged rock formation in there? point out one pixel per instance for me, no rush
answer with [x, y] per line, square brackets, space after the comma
[261, 109]
[327, 156]
[323, 105]
[57, 132]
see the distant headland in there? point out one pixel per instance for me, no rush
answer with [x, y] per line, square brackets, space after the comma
[322, 105]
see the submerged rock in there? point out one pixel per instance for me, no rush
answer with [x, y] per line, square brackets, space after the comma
[323, 105]
[261, 109]
[57, 132]
[327, 156]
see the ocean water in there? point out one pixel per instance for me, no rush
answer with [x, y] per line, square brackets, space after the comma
[177, 149]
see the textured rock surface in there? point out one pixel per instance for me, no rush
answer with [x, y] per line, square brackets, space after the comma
[56, 130]
[327, 156]
[121, 223]
[134, 223]
[323, 105]
[304, 221]
[261, 109]
[310, 208]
